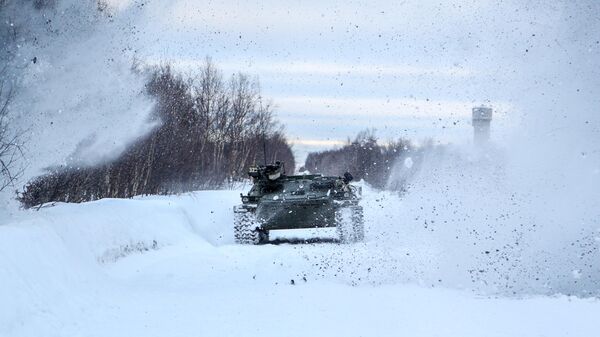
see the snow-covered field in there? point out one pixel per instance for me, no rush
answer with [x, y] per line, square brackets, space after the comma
[167, 266]
[501, 242]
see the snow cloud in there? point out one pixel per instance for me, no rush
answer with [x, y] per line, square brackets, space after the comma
[77, 95]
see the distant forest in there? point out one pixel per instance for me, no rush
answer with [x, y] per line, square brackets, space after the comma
[210, 130]
[363, 157]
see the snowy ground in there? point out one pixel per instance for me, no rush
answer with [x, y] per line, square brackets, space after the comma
[167, 266]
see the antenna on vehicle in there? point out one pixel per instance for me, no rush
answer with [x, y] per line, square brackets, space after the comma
[264, 148]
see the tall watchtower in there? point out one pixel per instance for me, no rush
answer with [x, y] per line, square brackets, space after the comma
[482, 116]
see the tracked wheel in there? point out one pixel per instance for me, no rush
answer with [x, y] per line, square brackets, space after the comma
[350, 224]
[246, 228]
[358, 223]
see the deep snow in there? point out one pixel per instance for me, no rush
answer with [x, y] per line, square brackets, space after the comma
[456, 256]
[167, 266]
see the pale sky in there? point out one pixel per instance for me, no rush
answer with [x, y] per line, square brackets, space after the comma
[413, 68]
[406, 68]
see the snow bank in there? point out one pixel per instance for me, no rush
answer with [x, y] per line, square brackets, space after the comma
[156, 266]
[51, 257]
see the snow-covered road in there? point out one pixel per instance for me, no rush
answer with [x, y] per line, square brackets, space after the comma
[238, 291]
[168, 267]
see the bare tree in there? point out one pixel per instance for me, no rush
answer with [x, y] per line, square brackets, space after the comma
[11, 148]
[210, 131]
[364, 157]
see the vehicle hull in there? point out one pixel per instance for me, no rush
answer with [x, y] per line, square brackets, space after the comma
[295, 214]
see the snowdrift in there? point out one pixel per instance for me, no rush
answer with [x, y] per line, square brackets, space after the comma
[157, 266]
[49, 255]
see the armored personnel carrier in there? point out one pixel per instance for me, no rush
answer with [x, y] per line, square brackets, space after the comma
[278, 201]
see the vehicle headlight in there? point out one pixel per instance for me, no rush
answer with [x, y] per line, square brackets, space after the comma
[245, 199]
[346, 195]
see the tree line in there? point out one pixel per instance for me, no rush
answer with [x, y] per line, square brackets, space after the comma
[363, 157]
[210, 130]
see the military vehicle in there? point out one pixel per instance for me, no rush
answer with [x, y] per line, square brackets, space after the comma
[278, 201]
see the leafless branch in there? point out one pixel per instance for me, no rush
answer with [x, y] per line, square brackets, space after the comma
[11, 147]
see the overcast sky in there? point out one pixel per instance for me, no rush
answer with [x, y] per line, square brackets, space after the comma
[410, 69]
[406, 68]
